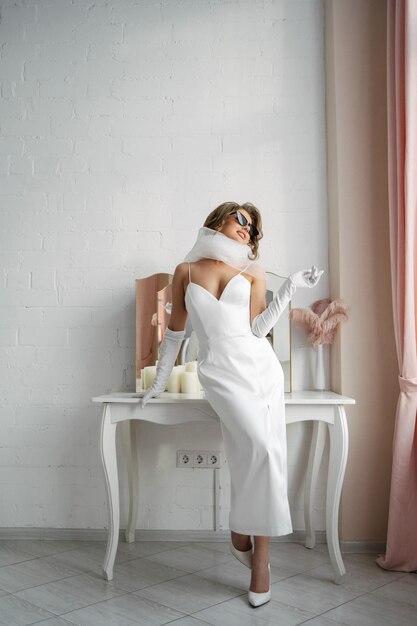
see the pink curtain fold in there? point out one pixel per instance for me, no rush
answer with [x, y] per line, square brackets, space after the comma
[401, 548]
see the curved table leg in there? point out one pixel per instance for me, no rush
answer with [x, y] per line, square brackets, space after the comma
[109, 460]
[316, 453]
[132, 471]
[339, 443]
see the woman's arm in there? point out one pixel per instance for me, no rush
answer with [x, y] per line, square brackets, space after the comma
[178, 312]
[266, 318]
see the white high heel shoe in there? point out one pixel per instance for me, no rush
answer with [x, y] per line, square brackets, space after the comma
[256, 599]
[244, 557]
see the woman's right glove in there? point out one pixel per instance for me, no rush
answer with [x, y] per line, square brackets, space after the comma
[168, 353]
[262, 323]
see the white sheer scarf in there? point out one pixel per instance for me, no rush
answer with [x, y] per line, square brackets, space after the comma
[212, 244]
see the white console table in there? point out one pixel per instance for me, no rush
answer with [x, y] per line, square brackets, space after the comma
[321, 407]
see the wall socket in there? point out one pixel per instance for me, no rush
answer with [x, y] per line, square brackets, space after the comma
[198, 458]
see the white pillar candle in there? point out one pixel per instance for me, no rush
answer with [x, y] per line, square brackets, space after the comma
[149, 372]
[181, 368]
[174, 381]
[189, 382]
[191, 366]
[138, 385]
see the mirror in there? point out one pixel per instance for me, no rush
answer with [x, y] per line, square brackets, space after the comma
[153, 308]
[153, 294]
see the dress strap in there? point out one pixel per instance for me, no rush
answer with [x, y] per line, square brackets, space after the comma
[244, 268]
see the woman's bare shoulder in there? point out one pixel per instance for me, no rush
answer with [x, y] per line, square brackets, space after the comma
[180, 276]
[181, 270]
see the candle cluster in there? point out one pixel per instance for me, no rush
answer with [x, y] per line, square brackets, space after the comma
[183, 378]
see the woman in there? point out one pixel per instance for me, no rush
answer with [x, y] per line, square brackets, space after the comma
[240, 373]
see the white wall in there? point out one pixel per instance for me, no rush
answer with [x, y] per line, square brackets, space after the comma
[122, 125]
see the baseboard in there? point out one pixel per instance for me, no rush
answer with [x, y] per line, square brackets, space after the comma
[57, 534]
[356, 547]
[142, 534]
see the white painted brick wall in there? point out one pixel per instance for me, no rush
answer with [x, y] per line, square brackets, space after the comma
[122, 124]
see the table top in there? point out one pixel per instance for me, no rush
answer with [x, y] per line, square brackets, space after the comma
[295, 397]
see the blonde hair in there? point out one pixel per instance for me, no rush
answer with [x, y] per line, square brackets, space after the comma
[220, 214]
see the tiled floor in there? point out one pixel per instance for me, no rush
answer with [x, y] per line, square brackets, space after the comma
[57, 583]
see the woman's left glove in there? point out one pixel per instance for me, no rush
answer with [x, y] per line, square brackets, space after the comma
[262, 323]
[168, 353]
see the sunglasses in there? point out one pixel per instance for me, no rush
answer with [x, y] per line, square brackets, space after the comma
[253, 232]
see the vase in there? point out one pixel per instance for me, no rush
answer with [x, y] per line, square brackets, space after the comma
[319, 382]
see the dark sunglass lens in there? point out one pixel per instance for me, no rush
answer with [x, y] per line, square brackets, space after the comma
[241, 218]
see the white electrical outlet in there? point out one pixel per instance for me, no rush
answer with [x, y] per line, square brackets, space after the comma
[198, 458]
[213, 459]
[184, 458]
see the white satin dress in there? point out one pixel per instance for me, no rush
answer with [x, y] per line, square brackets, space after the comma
[244, 382]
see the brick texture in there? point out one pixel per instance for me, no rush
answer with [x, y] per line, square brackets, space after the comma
[122, 124]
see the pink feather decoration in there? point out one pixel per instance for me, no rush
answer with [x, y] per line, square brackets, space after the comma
[322, 320]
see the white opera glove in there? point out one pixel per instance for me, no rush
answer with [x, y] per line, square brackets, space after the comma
[262, 323]
[168, 353]
[306, 278]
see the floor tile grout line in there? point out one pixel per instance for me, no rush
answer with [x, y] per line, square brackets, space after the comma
[164, 581]
[242, 594]
[310, 619]
[239, 595]
[93, 574]
[344, 582]
[191, 615]
[172, 608]
[42, 621]
[161, 582]
[57, 615]
[396, 599]
[361, 595]
[61, 615]
[272, 582]
[35, 557]
[40, 585]
[231, 560]
[180, 547]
